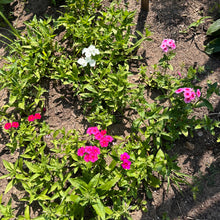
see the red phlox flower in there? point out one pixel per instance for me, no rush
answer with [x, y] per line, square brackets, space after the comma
[31, 118]
[7, 126]
[15, 124]
[37, 116]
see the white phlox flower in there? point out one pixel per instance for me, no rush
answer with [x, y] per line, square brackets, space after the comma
[89, 52]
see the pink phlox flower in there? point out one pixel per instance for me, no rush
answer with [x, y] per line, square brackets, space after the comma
[92, 130]
[179, 74]
[81, 151]
[7, 126]
[179, 90]
[187, 89]
[99, 136]
[126, 164]
[37, 116]
[187, 94]
[15, 124]
[124, 156]
[104, 142]
[193, 95]
[198, 93]
[31, 118]
[187, 100]
[166, 43]
[109, 138]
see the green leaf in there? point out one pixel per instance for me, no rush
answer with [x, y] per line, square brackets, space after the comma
[12, 99]
[99, 208]
[213, 46]
[33, 167]
[27, 212]
[108, 185]
[9, 186]
[94, 181]
[8, 165]
[214, 28]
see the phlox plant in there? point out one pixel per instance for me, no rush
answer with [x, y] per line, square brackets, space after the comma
[67, 175]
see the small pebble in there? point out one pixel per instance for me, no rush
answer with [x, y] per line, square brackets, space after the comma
[189, 146]
[200, 133]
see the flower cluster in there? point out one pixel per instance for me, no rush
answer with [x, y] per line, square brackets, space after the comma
[126, 162]
[168, 43]
[33, 117]
[189, 94]
[104, 139]
[9, 125]
[89, 52]
[90, 153]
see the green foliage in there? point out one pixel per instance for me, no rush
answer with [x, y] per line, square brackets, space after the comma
[214, 31]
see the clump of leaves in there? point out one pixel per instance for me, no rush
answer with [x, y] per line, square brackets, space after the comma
[213, 31]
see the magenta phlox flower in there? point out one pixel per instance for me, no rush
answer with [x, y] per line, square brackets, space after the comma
[87, 157]
[198, 93]
[99, 136]
[103, 132]
[7, 126]
[109, 138]
[81, 151]
[126, 164]
[15, 124]
[91, 153]
[104, 142]
[92, 130]
[95, 150]
[124, 156]
[166, 44]
[88, 149]
[93, 157]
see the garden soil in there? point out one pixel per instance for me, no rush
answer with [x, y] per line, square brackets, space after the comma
[198, 156]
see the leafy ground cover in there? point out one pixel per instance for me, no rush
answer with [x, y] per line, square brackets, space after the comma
[119, 91]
